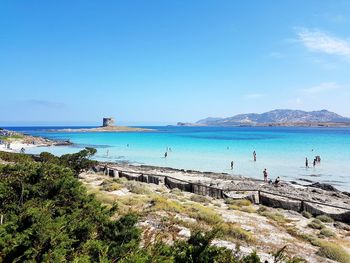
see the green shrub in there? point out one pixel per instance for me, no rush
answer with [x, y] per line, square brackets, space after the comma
[203, 213]
[261, 209]
[137, 188]
[176, 191]
[327, 232]
[333, 251]
[199, 198]
[325, 218]
[160, 203]
[111, 187]
[49, 217]
[230, 230]
[306, 214]
[279, 218]
[15, 157]
[238, 202]
[316, 224]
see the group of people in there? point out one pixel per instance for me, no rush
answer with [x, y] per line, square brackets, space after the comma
[266, 180]
[277, 180]
[316, 160]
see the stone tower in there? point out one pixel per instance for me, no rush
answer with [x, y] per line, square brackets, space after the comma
[107, 122]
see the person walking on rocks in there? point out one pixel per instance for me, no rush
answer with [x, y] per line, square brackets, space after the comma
[265, 175]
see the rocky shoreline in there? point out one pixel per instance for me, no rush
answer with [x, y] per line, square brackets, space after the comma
[12, 141]
[316, 192]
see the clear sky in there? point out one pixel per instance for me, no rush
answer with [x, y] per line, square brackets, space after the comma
[159, 62]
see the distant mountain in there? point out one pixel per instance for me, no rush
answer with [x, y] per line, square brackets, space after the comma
[276, 117]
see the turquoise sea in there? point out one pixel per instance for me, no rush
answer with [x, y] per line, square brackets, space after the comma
[281, 150]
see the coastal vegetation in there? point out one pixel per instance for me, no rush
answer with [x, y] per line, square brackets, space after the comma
[47, 215]
[56, 210]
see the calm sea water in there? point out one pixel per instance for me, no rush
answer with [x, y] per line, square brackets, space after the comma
[279, 149]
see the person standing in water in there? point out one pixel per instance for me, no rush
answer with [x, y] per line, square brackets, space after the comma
[254, 156]
[265, 175]
[306, 162]
[231, 165]
[165, 154]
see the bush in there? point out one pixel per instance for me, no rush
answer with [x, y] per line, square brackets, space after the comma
[230, 230]
[316, 224]
[176, 191]
[238, 202]
[327, 232]
[279, 218]
[306, 214]
[49, 217]
[162, 204]
[137, 188]
[333, 251]
[325, 218]
[110, 185]
[204, 214]
[199, 198]
[15, 157]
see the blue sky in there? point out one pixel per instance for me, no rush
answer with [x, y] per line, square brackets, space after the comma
[159, 62]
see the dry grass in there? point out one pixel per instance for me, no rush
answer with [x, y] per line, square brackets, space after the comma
[316, 224]
[110, 185]
[239, 203]
[306, 214]
[137, 188]
[160, 203]
[277, 217]
[325, 218]
[232, 231]
[333, 251]
[199, 199]
[132, 203]
[202, 213]
[177, 191]
[326, 232]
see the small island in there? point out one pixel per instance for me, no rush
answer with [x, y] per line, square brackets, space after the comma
[108, 125]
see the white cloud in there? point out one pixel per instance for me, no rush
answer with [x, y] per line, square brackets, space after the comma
[319, 41]
[323, 87]
[253, 96]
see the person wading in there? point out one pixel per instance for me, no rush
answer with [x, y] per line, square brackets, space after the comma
[265, 175]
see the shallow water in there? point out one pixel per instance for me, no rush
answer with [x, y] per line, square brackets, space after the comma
[281, 150]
